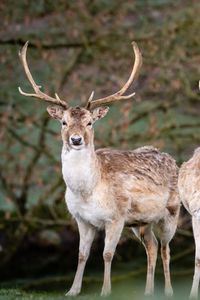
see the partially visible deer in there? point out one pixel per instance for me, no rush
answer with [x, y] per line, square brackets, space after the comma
[189, 189]
[109, 189]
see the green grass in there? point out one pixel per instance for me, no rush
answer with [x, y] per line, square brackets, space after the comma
[124, 289]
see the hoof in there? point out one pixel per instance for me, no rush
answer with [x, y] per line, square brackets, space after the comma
[193, 295]
[148, 294]
[105, 293]
[72, 292]
[169, 292]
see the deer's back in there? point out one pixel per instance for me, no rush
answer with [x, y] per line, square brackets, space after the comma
[145, 164]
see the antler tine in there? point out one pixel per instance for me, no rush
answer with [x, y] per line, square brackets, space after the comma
[90, 99]
[38, 94]
[120, 94]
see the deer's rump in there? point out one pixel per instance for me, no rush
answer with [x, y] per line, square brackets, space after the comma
[189, 184]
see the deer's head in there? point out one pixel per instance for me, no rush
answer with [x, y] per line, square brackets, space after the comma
[77, 122]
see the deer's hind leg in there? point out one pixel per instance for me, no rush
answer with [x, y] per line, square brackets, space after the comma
[196, 278]
[165, 254]
[166, 229]
[146, 235]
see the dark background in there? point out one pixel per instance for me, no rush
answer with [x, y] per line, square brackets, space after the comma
[76, 47]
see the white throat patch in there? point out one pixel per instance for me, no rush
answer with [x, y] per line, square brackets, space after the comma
[78, 168]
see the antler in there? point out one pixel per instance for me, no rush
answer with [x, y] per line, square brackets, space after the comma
[120, 94]
[38, 94]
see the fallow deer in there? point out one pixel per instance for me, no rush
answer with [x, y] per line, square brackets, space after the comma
[189, 190]
[108, 189]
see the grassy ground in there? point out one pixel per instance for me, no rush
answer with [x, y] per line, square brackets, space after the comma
[123, 289]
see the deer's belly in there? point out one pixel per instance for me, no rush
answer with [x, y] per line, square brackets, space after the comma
[88, 210]
[152, 211]
[147, 207]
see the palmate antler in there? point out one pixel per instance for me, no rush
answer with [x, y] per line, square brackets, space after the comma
[38, 93]
[120, 94]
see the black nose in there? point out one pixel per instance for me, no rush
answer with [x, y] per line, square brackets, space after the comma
[76, 140]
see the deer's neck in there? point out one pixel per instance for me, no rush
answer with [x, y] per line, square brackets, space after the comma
[80, 170]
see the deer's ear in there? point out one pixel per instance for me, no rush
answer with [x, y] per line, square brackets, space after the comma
[55, 112]
[99, 113]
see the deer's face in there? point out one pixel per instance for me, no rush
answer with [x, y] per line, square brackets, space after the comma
[77, 125]
[77, 131]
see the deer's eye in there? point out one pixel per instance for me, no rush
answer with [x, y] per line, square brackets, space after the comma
[64, 123]
[89, 124]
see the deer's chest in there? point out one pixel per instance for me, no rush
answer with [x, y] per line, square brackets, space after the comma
[85, 196]
[90, 209]
[78, 171]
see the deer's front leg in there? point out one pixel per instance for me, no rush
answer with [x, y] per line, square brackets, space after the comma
[113, 232]
[87, 233]
[196, 278]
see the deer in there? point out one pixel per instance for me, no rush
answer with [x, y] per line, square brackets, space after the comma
[189, 190]
[107, 189]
